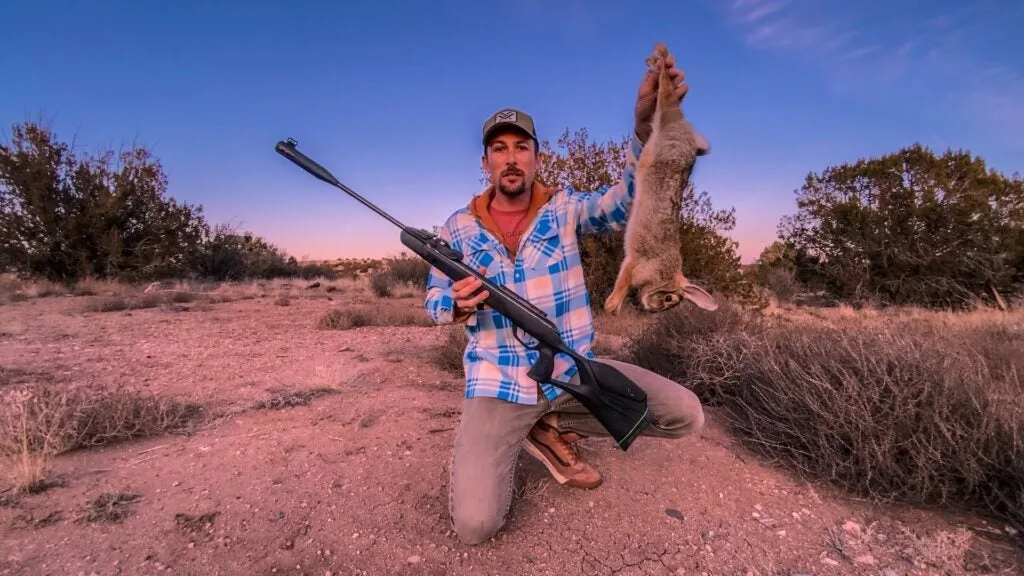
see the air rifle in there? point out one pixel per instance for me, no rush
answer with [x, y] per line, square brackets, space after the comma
[614, 400]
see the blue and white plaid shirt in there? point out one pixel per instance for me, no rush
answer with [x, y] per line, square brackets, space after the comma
[547, 271]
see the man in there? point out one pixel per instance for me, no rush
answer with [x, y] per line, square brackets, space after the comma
[523, 234]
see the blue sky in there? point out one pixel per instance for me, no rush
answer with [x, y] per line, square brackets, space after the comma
[391, 96]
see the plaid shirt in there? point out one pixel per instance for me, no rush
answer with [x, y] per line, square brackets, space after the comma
[547, 271]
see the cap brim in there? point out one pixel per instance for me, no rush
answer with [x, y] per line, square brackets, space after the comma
[506, 126]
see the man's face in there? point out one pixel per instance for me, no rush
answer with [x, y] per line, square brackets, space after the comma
[511, 161]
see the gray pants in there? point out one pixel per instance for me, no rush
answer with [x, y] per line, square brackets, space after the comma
[491, 433]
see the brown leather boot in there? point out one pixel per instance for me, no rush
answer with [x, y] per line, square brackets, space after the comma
[559, 455]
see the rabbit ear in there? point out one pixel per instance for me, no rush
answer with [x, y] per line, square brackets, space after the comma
[698, 296]
[695, 293]
[703, 146]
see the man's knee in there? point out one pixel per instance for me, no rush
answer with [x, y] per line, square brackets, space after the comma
[476, 526]
[677, 410]
[680, 413]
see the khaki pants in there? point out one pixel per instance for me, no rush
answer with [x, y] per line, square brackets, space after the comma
[491, 433]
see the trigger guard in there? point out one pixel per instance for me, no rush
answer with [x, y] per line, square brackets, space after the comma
[515, 333]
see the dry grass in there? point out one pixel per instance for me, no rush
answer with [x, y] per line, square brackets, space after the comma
[400, 277]
[39, 421]
[113, 296]
[375, 314]
[292, 398]
[109, 507]
[906, 406]
[448, 356]
[627, 323]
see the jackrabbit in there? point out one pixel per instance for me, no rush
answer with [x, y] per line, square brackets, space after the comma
[652, 262]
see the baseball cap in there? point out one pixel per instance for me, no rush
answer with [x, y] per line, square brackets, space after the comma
[509, 117]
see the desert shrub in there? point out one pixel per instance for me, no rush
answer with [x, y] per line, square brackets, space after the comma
[783, 284]
[912, 227]
[401, 276]
[358, 316]
[380, 284]
[448, 356]
[407, 269]
[227, 254]
[315, 270]
[917, 409]
[41, 420]
[66, 216]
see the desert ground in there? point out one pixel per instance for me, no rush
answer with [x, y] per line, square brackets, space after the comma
[312, 426]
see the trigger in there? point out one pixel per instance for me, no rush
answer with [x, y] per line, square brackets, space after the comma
[515, 334]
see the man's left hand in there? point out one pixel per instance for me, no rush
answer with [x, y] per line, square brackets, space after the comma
[646, 97]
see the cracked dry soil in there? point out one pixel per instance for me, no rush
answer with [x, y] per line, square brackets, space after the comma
[355, 481]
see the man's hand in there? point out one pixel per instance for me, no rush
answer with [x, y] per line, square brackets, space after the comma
[462, 291]
[646, 97]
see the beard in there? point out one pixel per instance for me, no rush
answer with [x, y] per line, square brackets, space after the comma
[512, 191]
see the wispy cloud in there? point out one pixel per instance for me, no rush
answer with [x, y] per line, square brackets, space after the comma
[946, 51]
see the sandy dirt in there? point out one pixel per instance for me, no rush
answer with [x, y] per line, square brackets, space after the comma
[356, 481]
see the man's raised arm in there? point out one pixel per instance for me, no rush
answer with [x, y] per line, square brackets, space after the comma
[607, 209]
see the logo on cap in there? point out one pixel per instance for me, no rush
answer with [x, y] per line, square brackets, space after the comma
[505, 116]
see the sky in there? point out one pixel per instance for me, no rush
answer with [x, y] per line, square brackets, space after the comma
[391, 96]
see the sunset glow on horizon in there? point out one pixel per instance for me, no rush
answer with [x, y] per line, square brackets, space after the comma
[392, 101]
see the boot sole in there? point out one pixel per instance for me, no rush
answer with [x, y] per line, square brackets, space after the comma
[559, 477]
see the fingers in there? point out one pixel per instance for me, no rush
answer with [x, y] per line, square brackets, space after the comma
[472, 302]
[463, 290]
[678, 77]
[649, 81]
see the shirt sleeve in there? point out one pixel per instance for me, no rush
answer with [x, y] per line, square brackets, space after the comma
[439, 301]
[607, 209]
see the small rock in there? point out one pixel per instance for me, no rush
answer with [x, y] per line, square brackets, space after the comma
[865, 559]
[851, 527]
[414, 559]
[829, 561]
[674, 513]
[889, 572]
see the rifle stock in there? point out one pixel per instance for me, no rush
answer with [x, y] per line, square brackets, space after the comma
[613, 399]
